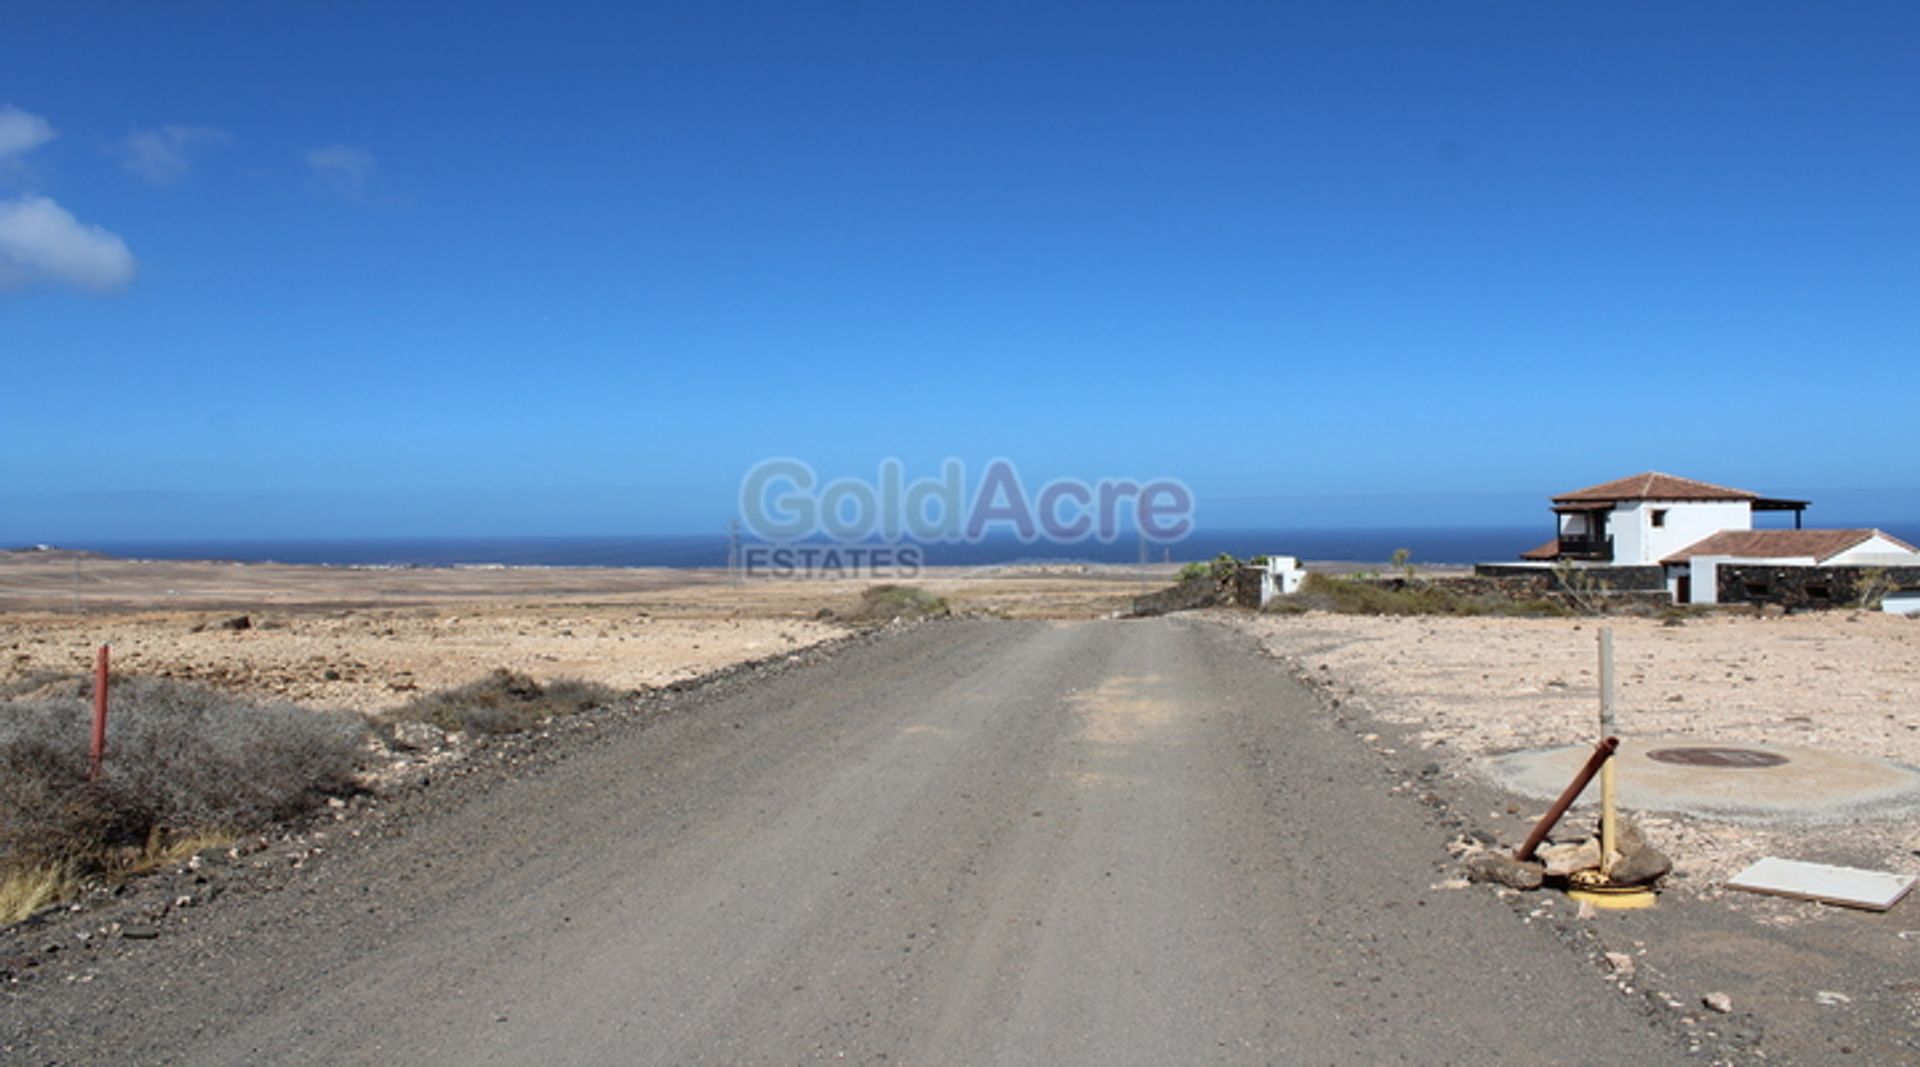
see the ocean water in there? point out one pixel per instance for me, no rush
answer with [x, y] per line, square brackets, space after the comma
[1432, 545]
[1437, 545]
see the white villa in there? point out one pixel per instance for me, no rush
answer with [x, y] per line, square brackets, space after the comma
[1690, 528]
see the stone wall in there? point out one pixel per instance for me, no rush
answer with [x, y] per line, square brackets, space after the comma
[1648, 578]
[1535, 584]
[1202, 592]
[1615, 589]
[1803, 586]
[1246, 586]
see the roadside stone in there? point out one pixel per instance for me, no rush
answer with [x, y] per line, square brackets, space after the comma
[1643, 866]
[418, 736]
[1563, 860]
[1718, 1002]
[1627, 837]
[1502, 869]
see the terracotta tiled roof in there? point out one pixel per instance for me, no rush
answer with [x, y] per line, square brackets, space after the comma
[1654, 486]
[1550, 550]
[1820, 545]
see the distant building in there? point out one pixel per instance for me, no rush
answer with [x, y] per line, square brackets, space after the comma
[1689, 529]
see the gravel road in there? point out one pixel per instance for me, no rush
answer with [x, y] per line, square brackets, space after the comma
[967, 843]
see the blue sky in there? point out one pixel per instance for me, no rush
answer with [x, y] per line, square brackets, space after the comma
[343, 269]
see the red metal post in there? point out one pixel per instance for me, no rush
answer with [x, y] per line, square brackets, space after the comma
[99, 749]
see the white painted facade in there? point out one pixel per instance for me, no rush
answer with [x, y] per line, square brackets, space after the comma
[1648, 531]
[1876, 551]
[1901, 602]
[1282, 577]
[1647, 519]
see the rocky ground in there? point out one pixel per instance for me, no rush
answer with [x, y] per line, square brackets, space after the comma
[1469, 688]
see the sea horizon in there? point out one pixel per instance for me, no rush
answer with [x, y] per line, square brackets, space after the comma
[1437, 546]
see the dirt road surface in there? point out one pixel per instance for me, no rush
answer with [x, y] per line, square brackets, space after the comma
[1091, 842]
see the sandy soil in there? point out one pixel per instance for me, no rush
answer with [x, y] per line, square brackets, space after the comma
[370, 639]
[1470, 688]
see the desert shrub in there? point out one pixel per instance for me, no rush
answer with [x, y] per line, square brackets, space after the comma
[1872, 587]
[1219, 568]
[26, 890]
[885, 603]
[41, 682]
[181, 759]
[503, 702]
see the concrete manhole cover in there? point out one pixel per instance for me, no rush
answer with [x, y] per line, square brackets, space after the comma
[1716, 756]
[1748, 782]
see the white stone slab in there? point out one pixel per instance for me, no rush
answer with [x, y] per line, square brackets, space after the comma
[1904, 602]
[1848, 886]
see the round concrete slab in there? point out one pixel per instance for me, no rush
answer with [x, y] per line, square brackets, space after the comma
[1728, 780]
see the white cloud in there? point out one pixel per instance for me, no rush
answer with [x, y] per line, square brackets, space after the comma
[340, 169]
[163, 156]
[42, 241]
[21, 132]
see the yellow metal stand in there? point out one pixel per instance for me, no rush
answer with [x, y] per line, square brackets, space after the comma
[1593, 888]
[1597, 887]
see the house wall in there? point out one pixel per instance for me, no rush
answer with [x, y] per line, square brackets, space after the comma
[1636, 540]
[1676, 571]
[1282, 576]
[1878, 549]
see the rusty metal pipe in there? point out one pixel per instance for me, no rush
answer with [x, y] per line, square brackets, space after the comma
[1602, 752]
[97, 750]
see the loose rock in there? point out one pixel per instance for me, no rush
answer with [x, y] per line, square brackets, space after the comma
[1563, 860]
[1643, 866]
[1502, 869]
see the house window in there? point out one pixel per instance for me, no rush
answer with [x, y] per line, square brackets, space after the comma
[1659, 516]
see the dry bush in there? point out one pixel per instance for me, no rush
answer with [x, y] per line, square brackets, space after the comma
[503, 702]
[885, 603]
[27, 890]
[181, 759]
